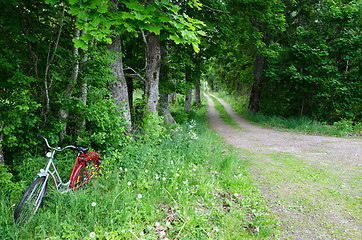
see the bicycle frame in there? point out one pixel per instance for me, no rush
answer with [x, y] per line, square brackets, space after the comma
[51, 170]
[58, 183]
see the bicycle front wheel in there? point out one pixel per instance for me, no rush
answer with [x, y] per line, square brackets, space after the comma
[30, 201]
[85, 173]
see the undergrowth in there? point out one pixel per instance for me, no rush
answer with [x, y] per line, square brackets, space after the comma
[184, 183]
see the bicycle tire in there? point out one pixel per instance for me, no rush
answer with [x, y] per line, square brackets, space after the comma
[85, 174]
[30, 201]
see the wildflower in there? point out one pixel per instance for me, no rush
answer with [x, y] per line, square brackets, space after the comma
[94, 204]
[129, 183]
[162, 234]
[92, 234]
[156, 177]
[164, 179]
[194, 169]
[171, 162]
[120, 169]
[146, 171]
[139, 196]
[216, 229]
[125, 170]
[177, 175]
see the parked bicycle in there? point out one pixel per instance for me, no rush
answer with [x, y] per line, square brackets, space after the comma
[86, 167]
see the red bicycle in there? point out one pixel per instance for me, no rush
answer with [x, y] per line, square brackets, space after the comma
[86, 167]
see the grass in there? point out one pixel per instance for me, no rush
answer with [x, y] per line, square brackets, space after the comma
[187, 184]
[302, 190]
[223, 114]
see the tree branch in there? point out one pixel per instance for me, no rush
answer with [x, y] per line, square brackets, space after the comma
[136, 74]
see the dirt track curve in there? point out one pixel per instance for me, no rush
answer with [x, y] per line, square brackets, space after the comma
[340, 158]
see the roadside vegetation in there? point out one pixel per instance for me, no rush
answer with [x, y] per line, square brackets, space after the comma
[178, 182]
[304, 124]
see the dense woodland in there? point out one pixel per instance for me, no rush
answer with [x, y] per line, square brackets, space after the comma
[69, 68]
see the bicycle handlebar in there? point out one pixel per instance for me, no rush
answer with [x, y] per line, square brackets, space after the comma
[54, 148]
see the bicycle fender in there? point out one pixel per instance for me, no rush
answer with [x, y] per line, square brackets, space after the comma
[42, 173]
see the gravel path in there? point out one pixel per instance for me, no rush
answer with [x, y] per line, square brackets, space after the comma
[337, 160]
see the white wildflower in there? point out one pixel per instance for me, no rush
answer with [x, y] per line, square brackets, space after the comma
[92, 234]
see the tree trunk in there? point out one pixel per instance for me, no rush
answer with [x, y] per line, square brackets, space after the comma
[152, 73]
[130, 89]
[164, 100]
[188, 100]
[173, 94]
[2, 160]
[197, 92]
[118, 88]
[258, 80]
[63, 114]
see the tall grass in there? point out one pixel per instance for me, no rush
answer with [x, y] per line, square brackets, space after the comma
[186, 184]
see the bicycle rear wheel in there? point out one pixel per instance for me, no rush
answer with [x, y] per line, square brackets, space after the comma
[30, 201]
[85, 173]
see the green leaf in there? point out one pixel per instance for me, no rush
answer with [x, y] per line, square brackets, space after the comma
[72, 2]
[156, 29]
[134, 5]
[176, 39]
[79, 44]
[103, 8]
[52, 2]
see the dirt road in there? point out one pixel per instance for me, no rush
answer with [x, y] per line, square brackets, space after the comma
[312, 183]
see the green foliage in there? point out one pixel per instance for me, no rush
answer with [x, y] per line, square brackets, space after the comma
[315, 72]
[190, 183]
[108, 127]
[9, 188]
[152, 127]
[101, 19]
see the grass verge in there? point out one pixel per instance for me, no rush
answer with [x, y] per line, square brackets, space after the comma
[318, 199]
[223, 114]
[186, 185]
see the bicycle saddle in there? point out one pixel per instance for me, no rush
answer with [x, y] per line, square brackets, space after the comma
[81, 149]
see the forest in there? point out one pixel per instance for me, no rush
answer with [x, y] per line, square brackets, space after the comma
[116, 74]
